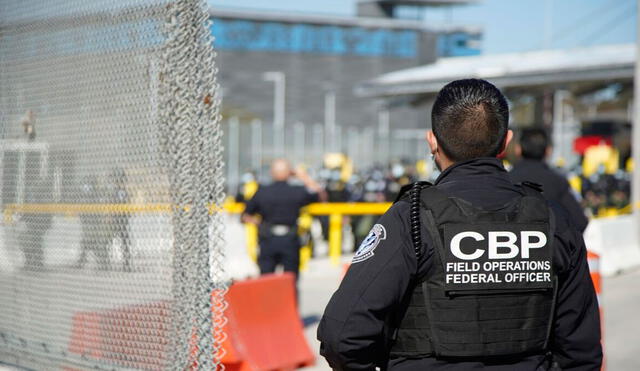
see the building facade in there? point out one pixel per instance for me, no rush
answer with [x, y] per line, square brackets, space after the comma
[319, 60]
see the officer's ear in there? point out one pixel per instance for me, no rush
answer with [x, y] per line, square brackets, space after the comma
[433, 142]
[505, 145]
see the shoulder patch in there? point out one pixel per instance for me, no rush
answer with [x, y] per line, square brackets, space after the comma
[365, 251]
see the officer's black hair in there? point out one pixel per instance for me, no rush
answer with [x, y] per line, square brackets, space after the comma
[470, 119]
[534, 143]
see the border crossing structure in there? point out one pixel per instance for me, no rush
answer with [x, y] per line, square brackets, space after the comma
[555, 79]
[552, 78]
[110, 103]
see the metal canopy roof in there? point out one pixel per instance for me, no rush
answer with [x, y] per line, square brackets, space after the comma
[346, 21]
[513, 70]
[293, 17]
[426, 3]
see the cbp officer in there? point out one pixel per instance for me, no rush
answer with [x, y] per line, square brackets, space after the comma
[118, 222]
[279, 206]
[534, 148]
[470, 273]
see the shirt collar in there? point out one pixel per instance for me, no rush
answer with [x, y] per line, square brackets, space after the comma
[477, 166]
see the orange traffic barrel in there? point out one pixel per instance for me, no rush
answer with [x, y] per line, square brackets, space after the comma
[109, 335]
[594, 270]
[264, 329]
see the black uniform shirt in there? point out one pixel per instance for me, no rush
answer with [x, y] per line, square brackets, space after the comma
[372, 291]
[280, 202]
[554, 186]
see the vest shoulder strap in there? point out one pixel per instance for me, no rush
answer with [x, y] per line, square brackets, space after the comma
[533, 205]
[424, 197]
[405, 190]
[414, 215]
[532, 189]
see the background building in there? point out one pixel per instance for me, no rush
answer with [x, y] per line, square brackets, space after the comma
[288, 79]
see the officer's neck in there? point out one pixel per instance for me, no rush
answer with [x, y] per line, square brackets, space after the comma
[443, 162]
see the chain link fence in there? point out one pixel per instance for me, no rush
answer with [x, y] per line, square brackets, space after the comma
[111, 179]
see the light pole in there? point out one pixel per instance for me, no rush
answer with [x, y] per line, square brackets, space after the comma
[383, 134]
[330, 120]
[233, 170]
[299, 143]
[256, 147]
[318, 142]
[279, 107]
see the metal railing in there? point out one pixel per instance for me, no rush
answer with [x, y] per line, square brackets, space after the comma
[335, 211]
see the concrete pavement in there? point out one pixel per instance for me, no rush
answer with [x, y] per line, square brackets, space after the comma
[621, 302]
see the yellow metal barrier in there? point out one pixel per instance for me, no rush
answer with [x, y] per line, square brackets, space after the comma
[335, 238]
[252, 240]
[610, 212]
[335, 211]
[349, 208]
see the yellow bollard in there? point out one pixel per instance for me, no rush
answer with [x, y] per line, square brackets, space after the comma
[305, 256]
[8, 216]
[304, 227]
[335, 238]
[252, 240]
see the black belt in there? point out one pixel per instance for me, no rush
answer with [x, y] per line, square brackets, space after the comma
[281, 229]
[278, 230]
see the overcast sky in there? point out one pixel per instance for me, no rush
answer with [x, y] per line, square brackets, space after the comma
[509, 25]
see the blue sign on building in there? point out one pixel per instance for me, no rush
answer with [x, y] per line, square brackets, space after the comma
[458, 44]
[318, 39]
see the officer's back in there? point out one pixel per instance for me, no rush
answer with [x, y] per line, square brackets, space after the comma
[472, 273]
[534, 148]
[278, 205]
[280, 202]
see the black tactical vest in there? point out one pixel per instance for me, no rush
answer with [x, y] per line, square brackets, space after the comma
[490, 291]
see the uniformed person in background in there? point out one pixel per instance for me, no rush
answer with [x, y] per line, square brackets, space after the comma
[36, 224]
[37, 190]
[94, 234]
[119, 221]
[278, 204]
[534, 148]
[471, 273]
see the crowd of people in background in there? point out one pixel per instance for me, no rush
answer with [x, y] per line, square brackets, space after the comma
[599, 192]
[376, 184]
[602, 191]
